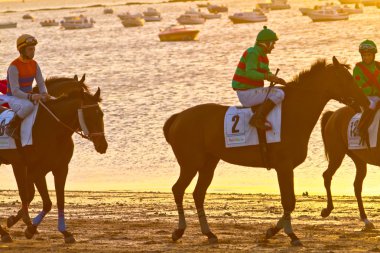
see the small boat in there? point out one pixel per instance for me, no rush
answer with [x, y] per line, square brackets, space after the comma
[152, 15]
[178, 33]
[305, 11]
[350, 1]
[77, 22]
[213, 8]
[349, 10]
[370, 2]
[275, 5]
[203, 5]
[203, 14]
[108, 11]
[327, 15]
[151, 12]
[247, 17]
[5, 25]
[132, 20]
[191, 19]
[49, 22]
[27, 16]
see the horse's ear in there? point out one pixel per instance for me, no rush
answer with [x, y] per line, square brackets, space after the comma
[76, 78]
[335, 61]
[83, 78]
[97, 95]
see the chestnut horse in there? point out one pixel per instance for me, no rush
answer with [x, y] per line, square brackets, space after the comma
[196, 136]
[334, 126]
[53, 149]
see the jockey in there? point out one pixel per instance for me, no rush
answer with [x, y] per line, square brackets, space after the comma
[20, 76]
[248, 81]
[367, 72]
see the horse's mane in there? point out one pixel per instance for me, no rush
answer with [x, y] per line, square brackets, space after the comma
[54, 80]
[314, 70]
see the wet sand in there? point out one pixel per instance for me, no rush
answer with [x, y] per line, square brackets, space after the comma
[143, 222]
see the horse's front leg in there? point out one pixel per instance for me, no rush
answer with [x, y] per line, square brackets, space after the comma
[60, 175]
[361, 172]
[40, 182]
[288, 201]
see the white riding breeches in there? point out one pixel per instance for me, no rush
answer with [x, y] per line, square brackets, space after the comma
[373, 101]
[252, 97]
[22, 107]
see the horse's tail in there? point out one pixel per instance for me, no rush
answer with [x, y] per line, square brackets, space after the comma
[325, 117]
[167, 126]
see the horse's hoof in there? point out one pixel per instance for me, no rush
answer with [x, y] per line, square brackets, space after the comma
[6, 238]
[271, 232]
[177, 234]
[11, 221]
[30, 231]
[296, 243]
[368, 227]
[212, 239]
[69, 238]
[325, 212]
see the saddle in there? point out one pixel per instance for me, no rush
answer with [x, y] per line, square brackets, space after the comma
[364, 123]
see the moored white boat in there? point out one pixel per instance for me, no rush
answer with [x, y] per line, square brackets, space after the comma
[152, 15]
[247, 17]
[49, 22]
[203, 14]
[274, 5]
[213, 8]
[327, 15]
[5, 25]
[370, 2]
[77, 22]
[27, 16]
[191, 19]
[132, 20]
[356, 10]
[350, 1]
[108, 11]
[178, 33]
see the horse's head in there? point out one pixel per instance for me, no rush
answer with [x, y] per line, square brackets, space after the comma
[91, 120]
[344, 88]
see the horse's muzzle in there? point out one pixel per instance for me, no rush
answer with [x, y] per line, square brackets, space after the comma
[100, 143]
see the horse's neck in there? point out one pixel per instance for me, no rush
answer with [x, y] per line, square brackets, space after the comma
[66, 112]
[304, 105]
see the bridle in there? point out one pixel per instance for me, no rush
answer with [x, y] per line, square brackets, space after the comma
[84, 133]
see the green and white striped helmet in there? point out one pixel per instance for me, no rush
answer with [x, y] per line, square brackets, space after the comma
[368, 46]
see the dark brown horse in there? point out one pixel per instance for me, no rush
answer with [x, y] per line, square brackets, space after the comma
[197, 139]
[334, 126]
[56, 148]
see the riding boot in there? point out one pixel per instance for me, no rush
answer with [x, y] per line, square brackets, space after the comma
[258, 120]
[13, 127]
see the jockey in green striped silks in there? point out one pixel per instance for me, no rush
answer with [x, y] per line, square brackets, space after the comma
[367, 72]
[252, 70]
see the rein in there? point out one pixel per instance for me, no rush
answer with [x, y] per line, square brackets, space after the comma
[85, 136]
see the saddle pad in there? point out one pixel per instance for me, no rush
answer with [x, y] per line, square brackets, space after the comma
[238, 132]
[353, 133]
[7, 142]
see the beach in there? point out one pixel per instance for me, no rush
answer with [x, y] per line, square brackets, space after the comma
[144, 221]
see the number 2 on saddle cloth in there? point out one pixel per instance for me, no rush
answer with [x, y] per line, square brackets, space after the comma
[3, 89]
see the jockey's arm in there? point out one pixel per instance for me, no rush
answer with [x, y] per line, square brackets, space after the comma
[14, 84]
[40, 81]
